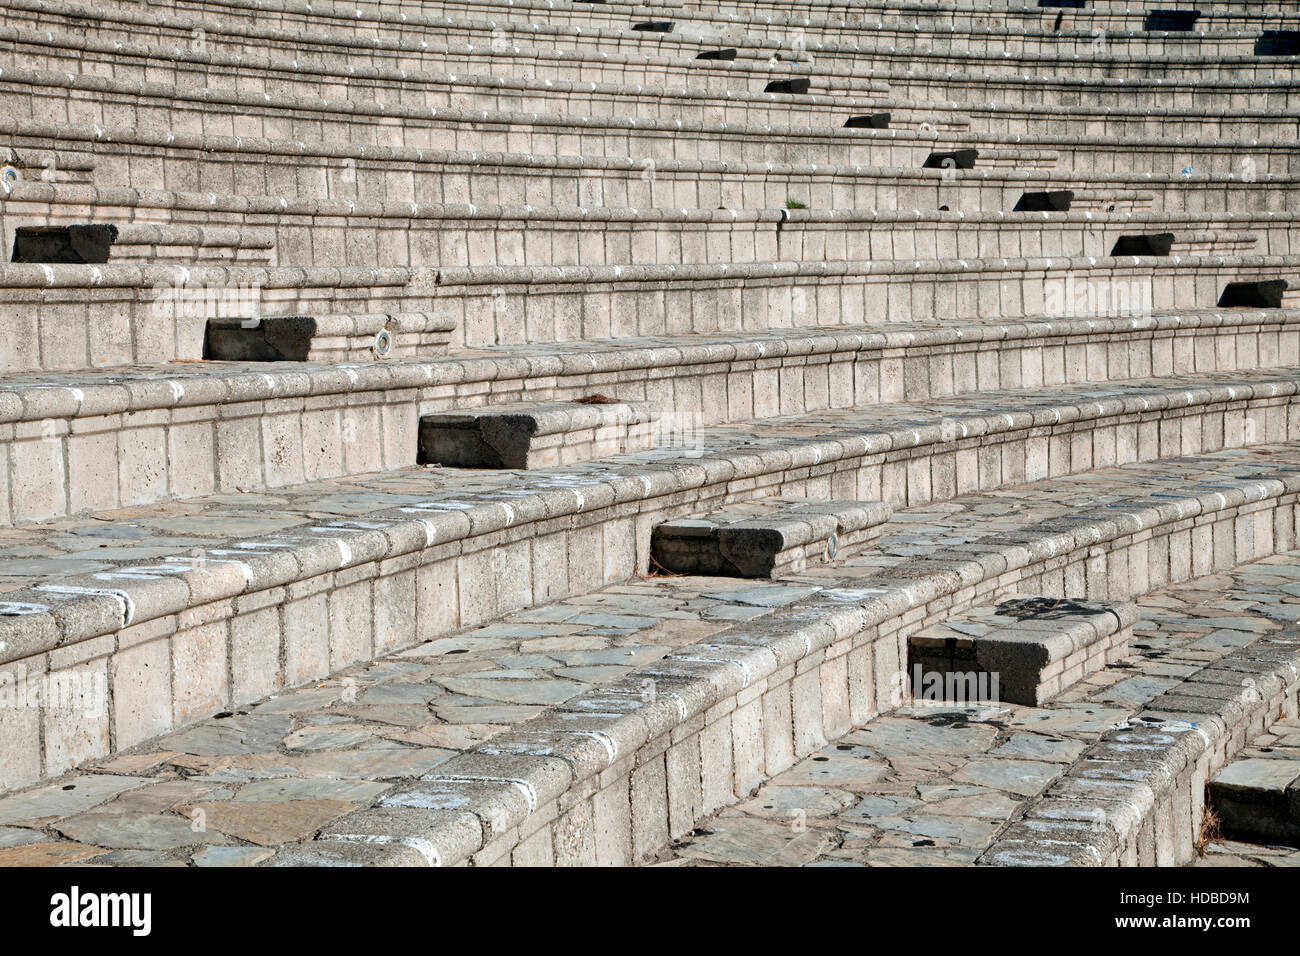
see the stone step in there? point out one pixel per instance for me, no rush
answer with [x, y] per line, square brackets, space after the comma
[522, 436]
[264, 426]
[161, 312]
[206, 228]
[31, 94]
[228, 165]
[127, 59]
[767, 537]
[1023, 650]
[983, 42]
[766, 676]
[1257, 799]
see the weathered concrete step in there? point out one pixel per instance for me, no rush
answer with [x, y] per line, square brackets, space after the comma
[767, 537]
[1025, 649]
[326, 338]
[537, 436]
[1257, 799]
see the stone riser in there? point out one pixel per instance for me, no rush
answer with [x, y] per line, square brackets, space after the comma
[55, 463]
[714, 751]
[1166, 96]
[181, 659]
[68, 317]
[541, 237]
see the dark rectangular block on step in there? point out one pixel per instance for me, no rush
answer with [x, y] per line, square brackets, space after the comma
[727, 54]
[871, 121]
[1148, 244]
[535, 436]
[1057, 200]
[1070, 4]
[655, 26]
[1258, 800]
[799, 84]
[1259, 294]
[88, 244]
[952, 159]
[1023, 650]
[1278, 43]
[766, 537]
[282, 338]
[1171, 20]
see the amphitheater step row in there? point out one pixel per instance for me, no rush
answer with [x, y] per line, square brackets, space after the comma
[207, 229]
[83, 98]
[607, 724]
[798, 101]
[228, 165]
[1002, 50]
[264, 426]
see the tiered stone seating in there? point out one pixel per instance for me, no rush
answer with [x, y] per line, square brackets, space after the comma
[345, 338]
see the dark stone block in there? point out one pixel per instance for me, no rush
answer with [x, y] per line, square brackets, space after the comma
[1055, 201]
[77, 244]
[285, 339]
[1150, 244]
[1171, 20]
[655, 26]
[1071, 4]
[1260, 294]
[1278, 43]
[797, 85]
[873, 121]
[727, 54]
[954, 159]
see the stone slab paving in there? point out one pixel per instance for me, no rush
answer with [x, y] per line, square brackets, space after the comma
[236, 788]
[933, 784]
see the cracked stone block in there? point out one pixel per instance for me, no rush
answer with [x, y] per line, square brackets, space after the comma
[951, 159]
[81, 244]
[767, 537]
[1258, 800]
[1057, 200]
[1149, 244]
[1260, 294]
[536, 436]
[869, 121]
[796, 85]
[1023, 650]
